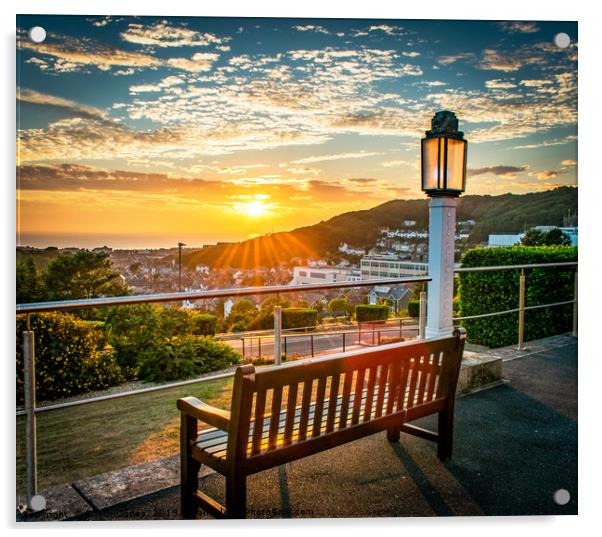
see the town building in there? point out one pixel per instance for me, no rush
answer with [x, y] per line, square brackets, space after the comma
[307, 275]
[390, 266]
[397, 296]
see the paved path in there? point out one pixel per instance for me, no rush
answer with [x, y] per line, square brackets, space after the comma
[515, 445]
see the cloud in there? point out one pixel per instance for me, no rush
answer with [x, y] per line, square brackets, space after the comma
[453, 58]
[72, 108]
[163, 34]
[200, 61]
[569, 162]
[85, 179]
[337, 156]
[534, 83]
[523, 27]
[545, 174]
[73, 54]
[546, 143]
[501, 171]
[312, 28]
[499, 84]
[67, 54]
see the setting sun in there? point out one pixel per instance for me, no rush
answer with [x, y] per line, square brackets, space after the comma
[254, 208]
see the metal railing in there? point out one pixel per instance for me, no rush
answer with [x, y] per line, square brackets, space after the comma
[360, 334]
[31, 409]
[521, 295]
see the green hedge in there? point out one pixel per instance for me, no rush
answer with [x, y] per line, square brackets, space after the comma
[185, 357]
[414, 308]
[487, 292]
[371, 312]
[299, 317]
[71, 357]
[203, 324]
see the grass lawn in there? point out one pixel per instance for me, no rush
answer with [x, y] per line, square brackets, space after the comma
[79, 442]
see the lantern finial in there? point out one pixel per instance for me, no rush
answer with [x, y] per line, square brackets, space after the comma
[445, 122]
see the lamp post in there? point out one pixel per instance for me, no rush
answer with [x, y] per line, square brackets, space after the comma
[180, 245]
[443, 161]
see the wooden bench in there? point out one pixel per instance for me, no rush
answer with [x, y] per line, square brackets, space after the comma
[283, 413]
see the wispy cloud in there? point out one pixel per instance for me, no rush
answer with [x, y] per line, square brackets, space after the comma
[501, 170]
[338, 156]
[163, 34]
[523, 27]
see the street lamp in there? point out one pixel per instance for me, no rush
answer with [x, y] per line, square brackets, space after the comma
[443, 161]
[180, 245]
[443, 157]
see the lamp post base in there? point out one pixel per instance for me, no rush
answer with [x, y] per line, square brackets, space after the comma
[438, 332]
[442, 236]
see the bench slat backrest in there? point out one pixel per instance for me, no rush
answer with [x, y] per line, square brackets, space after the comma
[300, 402]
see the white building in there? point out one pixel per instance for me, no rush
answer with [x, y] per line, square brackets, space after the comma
[308, 275]
[512, 239]
[388, 266]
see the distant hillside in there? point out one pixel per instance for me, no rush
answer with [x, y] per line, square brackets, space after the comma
[508, 212]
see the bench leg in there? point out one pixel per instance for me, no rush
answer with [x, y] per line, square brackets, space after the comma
[189, 468]
[446, 431]
[236, 496]
[393, 434]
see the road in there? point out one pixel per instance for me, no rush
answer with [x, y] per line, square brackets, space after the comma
[301, 344]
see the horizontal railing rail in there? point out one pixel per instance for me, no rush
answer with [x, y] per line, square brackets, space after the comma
[495, 268]
[87, 303]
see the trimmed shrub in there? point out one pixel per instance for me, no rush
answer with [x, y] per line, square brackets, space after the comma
[70, 357]
[203, 324]
[488, 292]
[299, 317]
[414, 308]
[185, 357]
[371, 312]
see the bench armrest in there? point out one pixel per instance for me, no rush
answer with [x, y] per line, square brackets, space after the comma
[202, 411]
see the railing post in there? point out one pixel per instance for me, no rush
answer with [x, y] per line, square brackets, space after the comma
[259, 347]
[285, 348]
[521, 311]
[344, 334]
[278, 335]
[575, 308]
[243, 347]
[422, 316]
[29, 377]
[311, 337]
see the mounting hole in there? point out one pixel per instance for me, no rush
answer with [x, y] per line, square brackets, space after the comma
[562, 40]
[37, 34]
[38, 502]
[562, 497]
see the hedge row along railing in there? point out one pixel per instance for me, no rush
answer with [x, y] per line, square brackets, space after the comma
[371, 312]
[489, 292]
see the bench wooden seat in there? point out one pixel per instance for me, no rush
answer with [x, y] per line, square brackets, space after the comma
[287, 412]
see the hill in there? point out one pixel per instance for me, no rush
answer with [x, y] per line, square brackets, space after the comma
[504, 213]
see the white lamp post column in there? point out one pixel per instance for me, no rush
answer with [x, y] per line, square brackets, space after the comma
[442, 235]
[443, 161]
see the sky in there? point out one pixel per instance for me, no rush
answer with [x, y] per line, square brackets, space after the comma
[144, 131]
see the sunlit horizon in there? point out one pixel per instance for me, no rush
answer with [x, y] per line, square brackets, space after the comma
[144, 131]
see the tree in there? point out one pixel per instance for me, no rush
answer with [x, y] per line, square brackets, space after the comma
[554, 237]
[340, 304]
[82, 275]
[242, 307]
[30, 287]
[533, 237]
